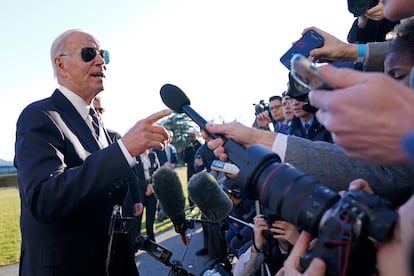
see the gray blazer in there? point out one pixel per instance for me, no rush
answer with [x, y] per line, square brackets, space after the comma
[376, 55]
[328, 164]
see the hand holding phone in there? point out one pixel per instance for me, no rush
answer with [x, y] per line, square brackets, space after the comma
[309, 41]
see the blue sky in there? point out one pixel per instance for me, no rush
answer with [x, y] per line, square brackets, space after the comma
[223, 54]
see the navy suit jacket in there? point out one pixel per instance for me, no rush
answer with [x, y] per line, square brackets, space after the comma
[68, 187]
[162, 156]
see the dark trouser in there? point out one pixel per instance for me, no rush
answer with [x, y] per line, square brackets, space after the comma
[213, 239]
[150, 206]
[190, 202]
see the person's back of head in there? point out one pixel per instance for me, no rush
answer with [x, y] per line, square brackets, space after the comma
[400, 55]
[402, 38]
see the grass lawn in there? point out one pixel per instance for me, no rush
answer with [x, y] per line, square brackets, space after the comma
[9, 226]
[9, 222]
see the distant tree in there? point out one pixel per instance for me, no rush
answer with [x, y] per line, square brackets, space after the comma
[182, 127]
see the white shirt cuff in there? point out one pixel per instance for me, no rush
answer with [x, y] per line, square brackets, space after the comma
[280, 145]
[132, 161]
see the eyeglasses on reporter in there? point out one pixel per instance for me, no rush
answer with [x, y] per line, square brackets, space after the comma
[89, 53]
[275, 107]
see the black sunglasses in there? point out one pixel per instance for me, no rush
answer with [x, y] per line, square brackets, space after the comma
[89, 53]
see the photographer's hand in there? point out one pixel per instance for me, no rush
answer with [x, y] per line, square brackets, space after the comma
[360, 185]
[263, 119]
[285, 232]
[260, 224]
[292, 264]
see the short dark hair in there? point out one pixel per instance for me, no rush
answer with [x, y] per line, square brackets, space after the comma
[402, 39]
[275, 98]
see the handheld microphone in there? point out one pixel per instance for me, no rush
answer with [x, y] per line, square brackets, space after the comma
[169, 192]
[176, 100]
[206, 193]
[248, 160]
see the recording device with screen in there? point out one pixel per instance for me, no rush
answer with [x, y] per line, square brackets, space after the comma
[309, 41]
[225, 167]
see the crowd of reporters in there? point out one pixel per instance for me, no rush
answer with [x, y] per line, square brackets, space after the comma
[386, 169]
[289, 125]
[351, 114]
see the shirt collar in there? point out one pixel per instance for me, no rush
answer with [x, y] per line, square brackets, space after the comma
[310, 122]
[80, 105]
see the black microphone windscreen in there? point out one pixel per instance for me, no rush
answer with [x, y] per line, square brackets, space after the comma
[174, 97]
[206, 193]
[169, 192]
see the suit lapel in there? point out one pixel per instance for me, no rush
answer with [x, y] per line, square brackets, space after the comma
[74, 121]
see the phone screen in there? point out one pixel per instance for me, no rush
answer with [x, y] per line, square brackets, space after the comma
[218, 164]
[309, 41]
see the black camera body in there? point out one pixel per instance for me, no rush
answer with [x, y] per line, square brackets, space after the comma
[359, 7]
[344, 226]
[356, 219]
[269, 220]
[260, 107]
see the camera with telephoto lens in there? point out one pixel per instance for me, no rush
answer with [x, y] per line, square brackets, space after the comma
[260, 107]
[344, 226]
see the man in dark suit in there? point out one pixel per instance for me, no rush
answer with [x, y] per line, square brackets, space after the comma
[70, 174]
[274, 114]
[168, 156]
[305, 124]
[189, 154]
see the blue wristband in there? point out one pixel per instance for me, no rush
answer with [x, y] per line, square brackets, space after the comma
[361, 52]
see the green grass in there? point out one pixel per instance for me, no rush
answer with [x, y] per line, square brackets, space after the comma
[10, 213]
[9, 226]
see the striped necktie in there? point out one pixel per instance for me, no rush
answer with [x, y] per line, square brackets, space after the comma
[95, 122]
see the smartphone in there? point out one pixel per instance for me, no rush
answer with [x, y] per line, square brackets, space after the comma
[309, 41]
[307, 74]
[226, 167]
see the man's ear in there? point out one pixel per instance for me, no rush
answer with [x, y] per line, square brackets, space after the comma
[59, 64]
